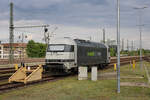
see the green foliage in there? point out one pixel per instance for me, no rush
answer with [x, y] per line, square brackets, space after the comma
[36, 49]
[112, 52]
[135, 52]
[146, 52]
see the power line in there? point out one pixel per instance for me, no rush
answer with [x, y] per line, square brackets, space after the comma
[31, 26]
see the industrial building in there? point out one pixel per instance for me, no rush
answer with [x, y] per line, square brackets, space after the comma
[19, 50]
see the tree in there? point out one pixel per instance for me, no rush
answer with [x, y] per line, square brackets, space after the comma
[36, 49]
[112, 52]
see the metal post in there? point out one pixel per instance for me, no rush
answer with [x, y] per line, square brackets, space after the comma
[132, 45]
[122, 44]
[103, 35]
[140, 30]
[118, 46]
[11, 35]
[22, 48]
[90, 38]
[127, 45]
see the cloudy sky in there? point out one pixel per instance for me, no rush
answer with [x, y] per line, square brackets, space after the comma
[77, 19]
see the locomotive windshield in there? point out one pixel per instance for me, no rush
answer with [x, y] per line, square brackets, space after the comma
[56, 47]
[60, 48]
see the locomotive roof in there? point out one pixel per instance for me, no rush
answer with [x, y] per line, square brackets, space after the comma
[89, 43]
[80, 42]
[62, 41]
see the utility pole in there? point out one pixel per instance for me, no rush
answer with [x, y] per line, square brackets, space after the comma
[118, 46]
[127, 45]
[49, 35]
[90, 38]
[132, 45]
[122, 44]
[22, 51]
[11, 35]
[140, 30]
[103, 35]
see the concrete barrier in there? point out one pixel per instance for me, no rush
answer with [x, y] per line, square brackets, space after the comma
[94, 73]
[82, 73]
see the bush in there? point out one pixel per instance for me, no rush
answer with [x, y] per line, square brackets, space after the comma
[36, 49]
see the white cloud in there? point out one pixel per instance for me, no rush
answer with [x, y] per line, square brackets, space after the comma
[80, 18]
[73, 31]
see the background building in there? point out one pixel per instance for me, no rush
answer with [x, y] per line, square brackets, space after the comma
[19, 50]
[1, 51]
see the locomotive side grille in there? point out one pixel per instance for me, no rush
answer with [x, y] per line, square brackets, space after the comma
[59, 60]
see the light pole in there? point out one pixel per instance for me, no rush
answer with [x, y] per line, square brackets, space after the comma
[140, 30]
[118, 46]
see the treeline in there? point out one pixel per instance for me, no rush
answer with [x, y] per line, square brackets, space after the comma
[135, 52]
[38, 50]
[113, 52]
[35, 49]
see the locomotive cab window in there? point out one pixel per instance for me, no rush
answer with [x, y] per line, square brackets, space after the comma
[60, 48]
[56, 48]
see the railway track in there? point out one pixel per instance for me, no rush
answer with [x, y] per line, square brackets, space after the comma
[5, 71]
[147, 58]
[4, 77]
[9, 70]
[113, 60]
[26, 60]
[9, 86]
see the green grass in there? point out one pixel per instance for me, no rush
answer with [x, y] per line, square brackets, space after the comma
[128, 71]
[71, 89]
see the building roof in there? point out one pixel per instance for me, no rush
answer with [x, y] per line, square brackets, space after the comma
[15, 45]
